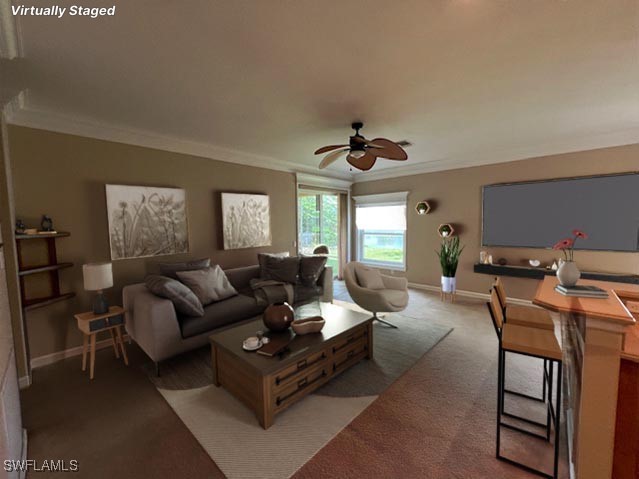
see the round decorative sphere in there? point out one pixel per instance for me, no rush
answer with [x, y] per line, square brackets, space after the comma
[278, 316]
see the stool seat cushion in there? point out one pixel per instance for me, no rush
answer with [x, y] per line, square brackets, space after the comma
[529, 316]
[533, 341]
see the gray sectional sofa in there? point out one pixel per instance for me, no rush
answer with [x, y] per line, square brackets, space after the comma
[154, 325]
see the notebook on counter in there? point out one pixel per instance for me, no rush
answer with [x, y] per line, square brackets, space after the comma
[582, 291]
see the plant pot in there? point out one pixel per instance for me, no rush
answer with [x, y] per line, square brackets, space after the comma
[449, 285]
[278, 316]
[568, 274]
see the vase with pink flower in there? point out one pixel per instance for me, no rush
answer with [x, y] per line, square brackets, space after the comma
[568, 274]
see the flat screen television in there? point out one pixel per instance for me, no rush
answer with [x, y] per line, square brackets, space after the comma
[537, 214]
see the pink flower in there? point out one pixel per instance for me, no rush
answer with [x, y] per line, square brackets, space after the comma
[579, 234]
[564, 244]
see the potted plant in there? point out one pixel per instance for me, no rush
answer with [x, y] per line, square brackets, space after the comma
[449, 254]
[568, 274]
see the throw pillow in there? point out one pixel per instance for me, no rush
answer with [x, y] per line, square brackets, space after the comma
[183, 299]
[261, 257]
[170, 269]
[311, 268]
[279, 268]
[369, 278]
[209, 285]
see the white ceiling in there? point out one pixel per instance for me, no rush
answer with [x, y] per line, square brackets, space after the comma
[467, 81]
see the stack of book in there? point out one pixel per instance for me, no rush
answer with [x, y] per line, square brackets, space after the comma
[582, 291]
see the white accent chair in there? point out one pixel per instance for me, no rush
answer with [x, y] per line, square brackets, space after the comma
[391, 299]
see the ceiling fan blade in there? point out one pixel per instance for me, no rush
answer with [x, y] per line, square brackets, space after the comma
[364, 163]
[324, 149]
[404, 143]
[332, 157]
[389, 150]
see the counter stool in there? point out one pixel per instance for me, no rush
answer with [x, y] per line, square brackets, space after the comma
[537, 343]
[525, 316]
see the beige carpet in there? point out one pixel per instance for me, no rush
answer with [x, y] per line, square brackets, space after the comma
[229, 431]
[230, 434]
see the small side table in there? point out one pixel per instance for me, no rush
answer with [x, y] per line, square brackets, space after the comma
[91, 324]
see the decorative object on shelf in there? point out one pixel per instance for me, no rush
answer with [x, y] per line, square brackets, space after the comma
[445, 230]
[554, 266]
[278, 316]
[483, 257]
[490, 259]
[246, 220]
[535, 263]
[20, 227]
[31, 231]
[568, 274]
[98, 277]
[46, 224]
[146, 221]
[308, 325]
[449, 254]
[502, 261]
[422, 208]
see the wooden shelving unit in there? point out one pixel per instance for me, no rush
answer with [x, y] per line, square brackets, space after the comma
[52, 268]
[540, 273]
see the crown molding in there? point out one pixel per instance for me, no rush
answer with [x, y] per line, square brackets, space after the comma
[569, 145]
[22, 115]
[319, 181]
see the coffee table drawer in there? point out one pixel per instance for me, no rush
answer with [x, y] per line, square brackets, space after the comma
[350, 355]
[309, 381]
[344, 344]
[296, 371]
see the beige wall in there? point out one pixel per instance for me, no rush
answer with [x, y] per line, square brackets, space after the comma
[64, 176]
[457, 194]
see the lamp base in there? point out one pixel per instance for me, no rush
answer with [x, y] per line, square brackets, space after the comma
[100, 304]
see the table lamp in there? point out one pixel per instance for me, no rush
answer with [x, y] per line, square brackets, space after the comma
[98, 277]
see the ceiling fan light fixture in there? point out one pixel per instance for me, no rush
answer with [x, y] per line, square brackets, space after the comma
[356, 154]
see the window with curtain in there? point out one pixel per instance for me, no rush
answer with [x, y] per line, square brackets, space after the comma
[381, 233]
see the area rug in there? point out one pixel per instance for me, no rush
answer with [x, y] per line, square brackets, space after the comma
[229, 431]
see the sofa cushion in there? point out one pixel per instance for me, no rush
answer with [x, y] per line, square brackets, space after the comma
[261, 257]
[183, 299]
[209, 285]
[170, 269]
[369, 278]
[311, 268]
[278, 268]
[222, 313]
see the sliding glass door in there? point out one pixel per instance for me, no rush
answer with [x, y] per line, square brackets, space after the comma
[319, 223]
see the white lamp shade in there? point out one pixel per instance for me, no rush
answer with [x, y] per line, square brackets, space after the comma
[97, 276]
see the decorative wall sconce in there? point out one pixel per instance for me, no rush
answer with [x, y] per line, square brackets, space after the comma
[422, 208]
[446, 230]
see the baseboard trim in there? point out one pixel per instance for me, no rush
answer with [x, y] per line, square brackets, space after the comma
[47, 359]
[467, 294]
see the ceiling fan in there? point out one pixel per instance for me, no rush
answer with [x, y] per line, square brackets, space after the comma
[362, 153]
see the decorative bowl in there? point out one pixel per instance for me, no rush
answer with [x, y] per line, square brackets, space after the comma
[308, 325]
[534, 263]
[278, 316]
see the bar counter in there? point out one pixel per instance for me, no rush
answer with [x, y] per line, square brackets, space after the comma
[600, 342]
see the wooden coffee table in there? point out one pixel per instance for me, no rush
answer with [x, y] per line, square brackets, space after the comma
[268, 385]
